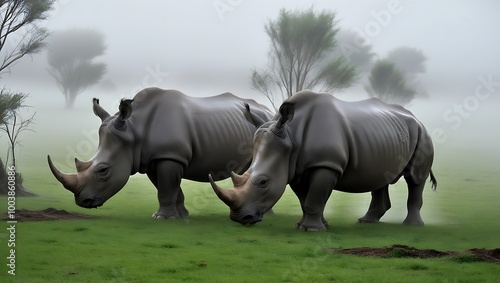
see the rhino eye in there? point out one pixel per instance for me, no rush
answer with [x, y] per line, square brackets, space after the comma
[262, 182]
[102, 170]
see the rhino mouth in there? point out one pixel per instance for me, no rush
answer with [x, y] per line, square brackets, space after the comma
[248, 219]
[93, 202]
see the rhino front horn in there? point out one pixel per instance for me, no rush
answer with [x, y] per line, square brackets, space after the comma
[69, 181]
[227, 196]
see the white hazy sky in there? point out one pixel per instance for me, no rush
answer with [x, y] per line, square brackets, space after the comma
[208, 47]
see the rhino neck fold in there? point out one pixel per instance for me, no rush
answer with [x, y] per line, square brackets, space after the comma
[136, 154]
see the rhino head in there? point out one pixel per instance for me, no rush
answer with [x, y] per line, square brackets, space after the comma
[108, 171]
[261, 186]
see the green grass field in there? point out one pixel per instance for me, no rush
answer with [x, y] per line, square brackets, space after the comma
[124, 244]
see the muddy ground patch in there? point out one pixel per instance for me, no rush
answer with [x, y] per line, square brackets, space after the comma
[47, 214]
[402, 251]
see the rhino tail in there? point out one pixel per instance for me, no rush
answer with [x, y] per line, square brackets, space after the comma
[433, 181]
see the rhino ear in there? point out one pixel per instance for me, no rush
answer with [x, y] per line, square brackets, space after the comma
[125, 110]
[253, 117]
[98, 110]
[286, 114]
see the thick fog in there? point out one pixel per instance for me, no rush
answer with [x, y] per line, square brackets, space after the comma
[204, 48]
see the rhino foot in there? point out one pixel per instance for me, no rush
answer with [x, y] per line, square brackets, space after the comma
[315, 228]
[413, 222]
[182, 211]
[300, 226]
[311, 226]
[159, 216]
[366, 219]
[166, 213]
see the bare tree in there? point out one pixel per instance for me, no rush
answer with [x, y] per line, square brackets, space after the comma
[19, 33]
[12, 125]
[70, 57]
[301, 42]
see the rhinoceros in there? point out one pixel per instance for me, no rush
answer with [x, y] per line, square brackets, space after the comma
[167, 135]
[318, 143]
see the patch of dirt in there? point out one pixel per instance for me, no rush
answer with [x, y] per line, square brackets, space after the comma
[23, 215]
[402, 251]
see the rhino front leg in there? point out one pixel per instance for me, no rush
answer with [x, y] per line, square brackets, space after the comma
[300, 189]
[166, 176]
[179, 205]
[321, 183]
[379, 204]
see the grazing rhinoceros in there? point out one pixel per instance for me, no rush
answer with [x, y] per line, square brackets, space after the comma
[318, 143]
[168, 136]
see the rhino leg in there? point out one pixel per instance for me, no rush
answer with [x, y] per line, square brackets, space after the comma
[321, 183]
[300, 189]
[179, 205]
[414, 204]
[379, 204]
[166, 175]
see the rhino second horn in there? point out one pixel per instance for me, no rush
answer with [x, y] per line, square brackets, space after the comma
[238, 180]
[227, 196]
[69, 181]
[81, 166]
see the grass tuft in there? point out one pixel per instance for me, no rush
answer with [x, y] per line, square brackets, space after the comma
[417, 266]
[466, 258]
[169, 246]
[80, 229]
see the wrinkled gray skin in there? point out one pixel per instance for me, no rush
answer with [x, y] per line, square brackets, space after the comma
[168, 136]
[317, 144]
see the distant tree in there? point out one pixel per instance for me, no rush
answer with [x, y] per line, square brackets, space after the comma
[409, 60]
[12, 125]
[20, 34]
[70, 58]
[412, 62]
[300, 42]
[354, 49]
[389, 84]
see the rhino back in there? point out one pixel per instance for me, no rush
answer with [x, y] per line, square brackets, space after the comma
[365, 142]
[201, 133]
[383, 141]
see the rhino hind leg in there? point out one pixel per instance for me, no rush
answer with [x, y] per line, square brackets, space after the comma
[313, 199]
[414, 204]
[379, 204]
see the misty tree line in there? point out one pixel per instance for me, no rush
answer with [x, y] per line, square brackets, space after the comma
[310, 51]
